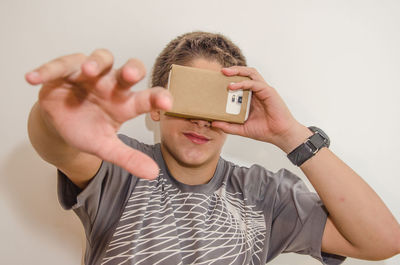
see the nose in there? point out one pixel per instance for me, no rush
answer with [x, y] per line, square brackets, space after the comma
[201, 123]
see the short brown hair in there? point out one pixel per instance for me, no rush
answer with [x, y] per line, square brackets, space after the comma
[198, 44]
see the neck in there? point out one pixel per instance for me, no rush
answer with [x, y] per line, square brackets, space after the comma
[187, 174]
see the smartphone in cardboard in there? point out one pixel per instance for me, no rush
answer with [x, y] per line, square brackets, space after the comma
[204, 94]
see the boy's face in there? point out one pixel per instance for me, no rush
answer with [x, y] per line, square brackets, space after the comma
[191, 143]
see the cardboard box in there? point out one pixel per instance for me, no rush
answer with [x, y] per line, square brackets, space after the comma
[204, 94]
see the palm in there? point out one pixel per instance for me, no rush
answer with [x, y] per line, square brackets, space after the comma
[266, 120]
[86, 119]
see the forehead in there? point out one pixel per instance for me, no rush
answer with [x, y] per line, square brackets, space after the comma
[205, 64]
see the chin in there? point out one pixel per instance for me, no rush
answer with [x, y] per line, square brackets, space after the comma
[189, 156]
[193, 158]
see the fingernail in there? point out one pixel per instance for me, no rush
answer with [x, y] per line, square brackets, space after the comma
[134, 73]
[33, 77]
[92, 66]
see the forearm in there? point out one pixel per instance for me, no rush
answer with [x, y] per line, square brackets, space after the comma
[361, 222]
[355, 209]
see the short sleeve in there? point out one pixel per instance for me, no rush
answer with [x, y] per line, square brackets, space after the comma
[298, 221]
[101, 203]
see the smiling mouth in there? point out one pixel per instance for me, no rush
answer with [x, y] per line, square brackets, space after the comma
[196, 138]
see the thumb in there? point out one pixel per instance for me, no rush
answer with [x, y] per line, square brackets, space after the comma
[227, 127]
[134, 161]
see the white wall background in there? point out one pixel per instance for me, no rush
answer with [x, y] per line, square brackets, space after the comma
[336, 64]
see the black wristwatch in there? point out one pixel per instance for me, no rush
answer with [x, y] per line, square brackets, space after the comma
[310, 147]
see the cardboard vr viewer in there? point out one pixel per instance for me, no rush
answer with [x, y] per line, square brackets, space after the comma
[204, 94]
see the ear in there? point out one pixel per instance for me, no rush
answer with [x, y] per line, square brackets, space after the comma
[155, 115]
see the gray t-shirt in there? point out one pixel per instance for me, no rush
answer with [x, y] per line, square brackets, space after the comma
[241, 216]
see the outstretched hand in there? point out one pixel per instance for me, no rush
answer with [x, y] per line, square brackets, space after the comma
[85, 101]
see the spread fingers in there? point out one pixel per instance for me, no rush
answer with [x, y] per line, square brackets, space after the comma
[59, 68]
[130, 73]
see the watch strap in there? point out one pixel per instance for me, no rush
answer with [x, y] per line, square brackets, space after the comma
[309, 148]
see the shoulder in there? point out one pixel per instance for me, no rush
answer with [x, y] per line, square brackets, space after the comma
[145, 148]
[260, 183]
[257, 175]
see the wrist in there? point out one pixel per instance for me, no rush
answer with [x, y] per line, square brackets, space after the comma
[293, 137]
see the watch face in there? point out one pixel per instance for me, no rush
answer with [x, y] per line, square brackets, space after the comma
[322, 133]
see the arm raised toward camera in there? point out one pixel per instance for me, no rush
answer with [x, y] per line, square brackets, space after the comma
[82, 104]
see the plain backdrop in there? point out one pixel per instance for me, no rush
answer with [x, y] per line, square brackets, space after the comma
[335, 63]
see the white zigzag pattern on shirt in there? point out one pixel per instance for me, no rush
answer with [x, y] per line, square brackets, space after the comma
[161, 224]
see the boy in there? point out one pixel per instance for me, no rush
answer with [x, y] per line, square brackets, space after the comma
[178, 202]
